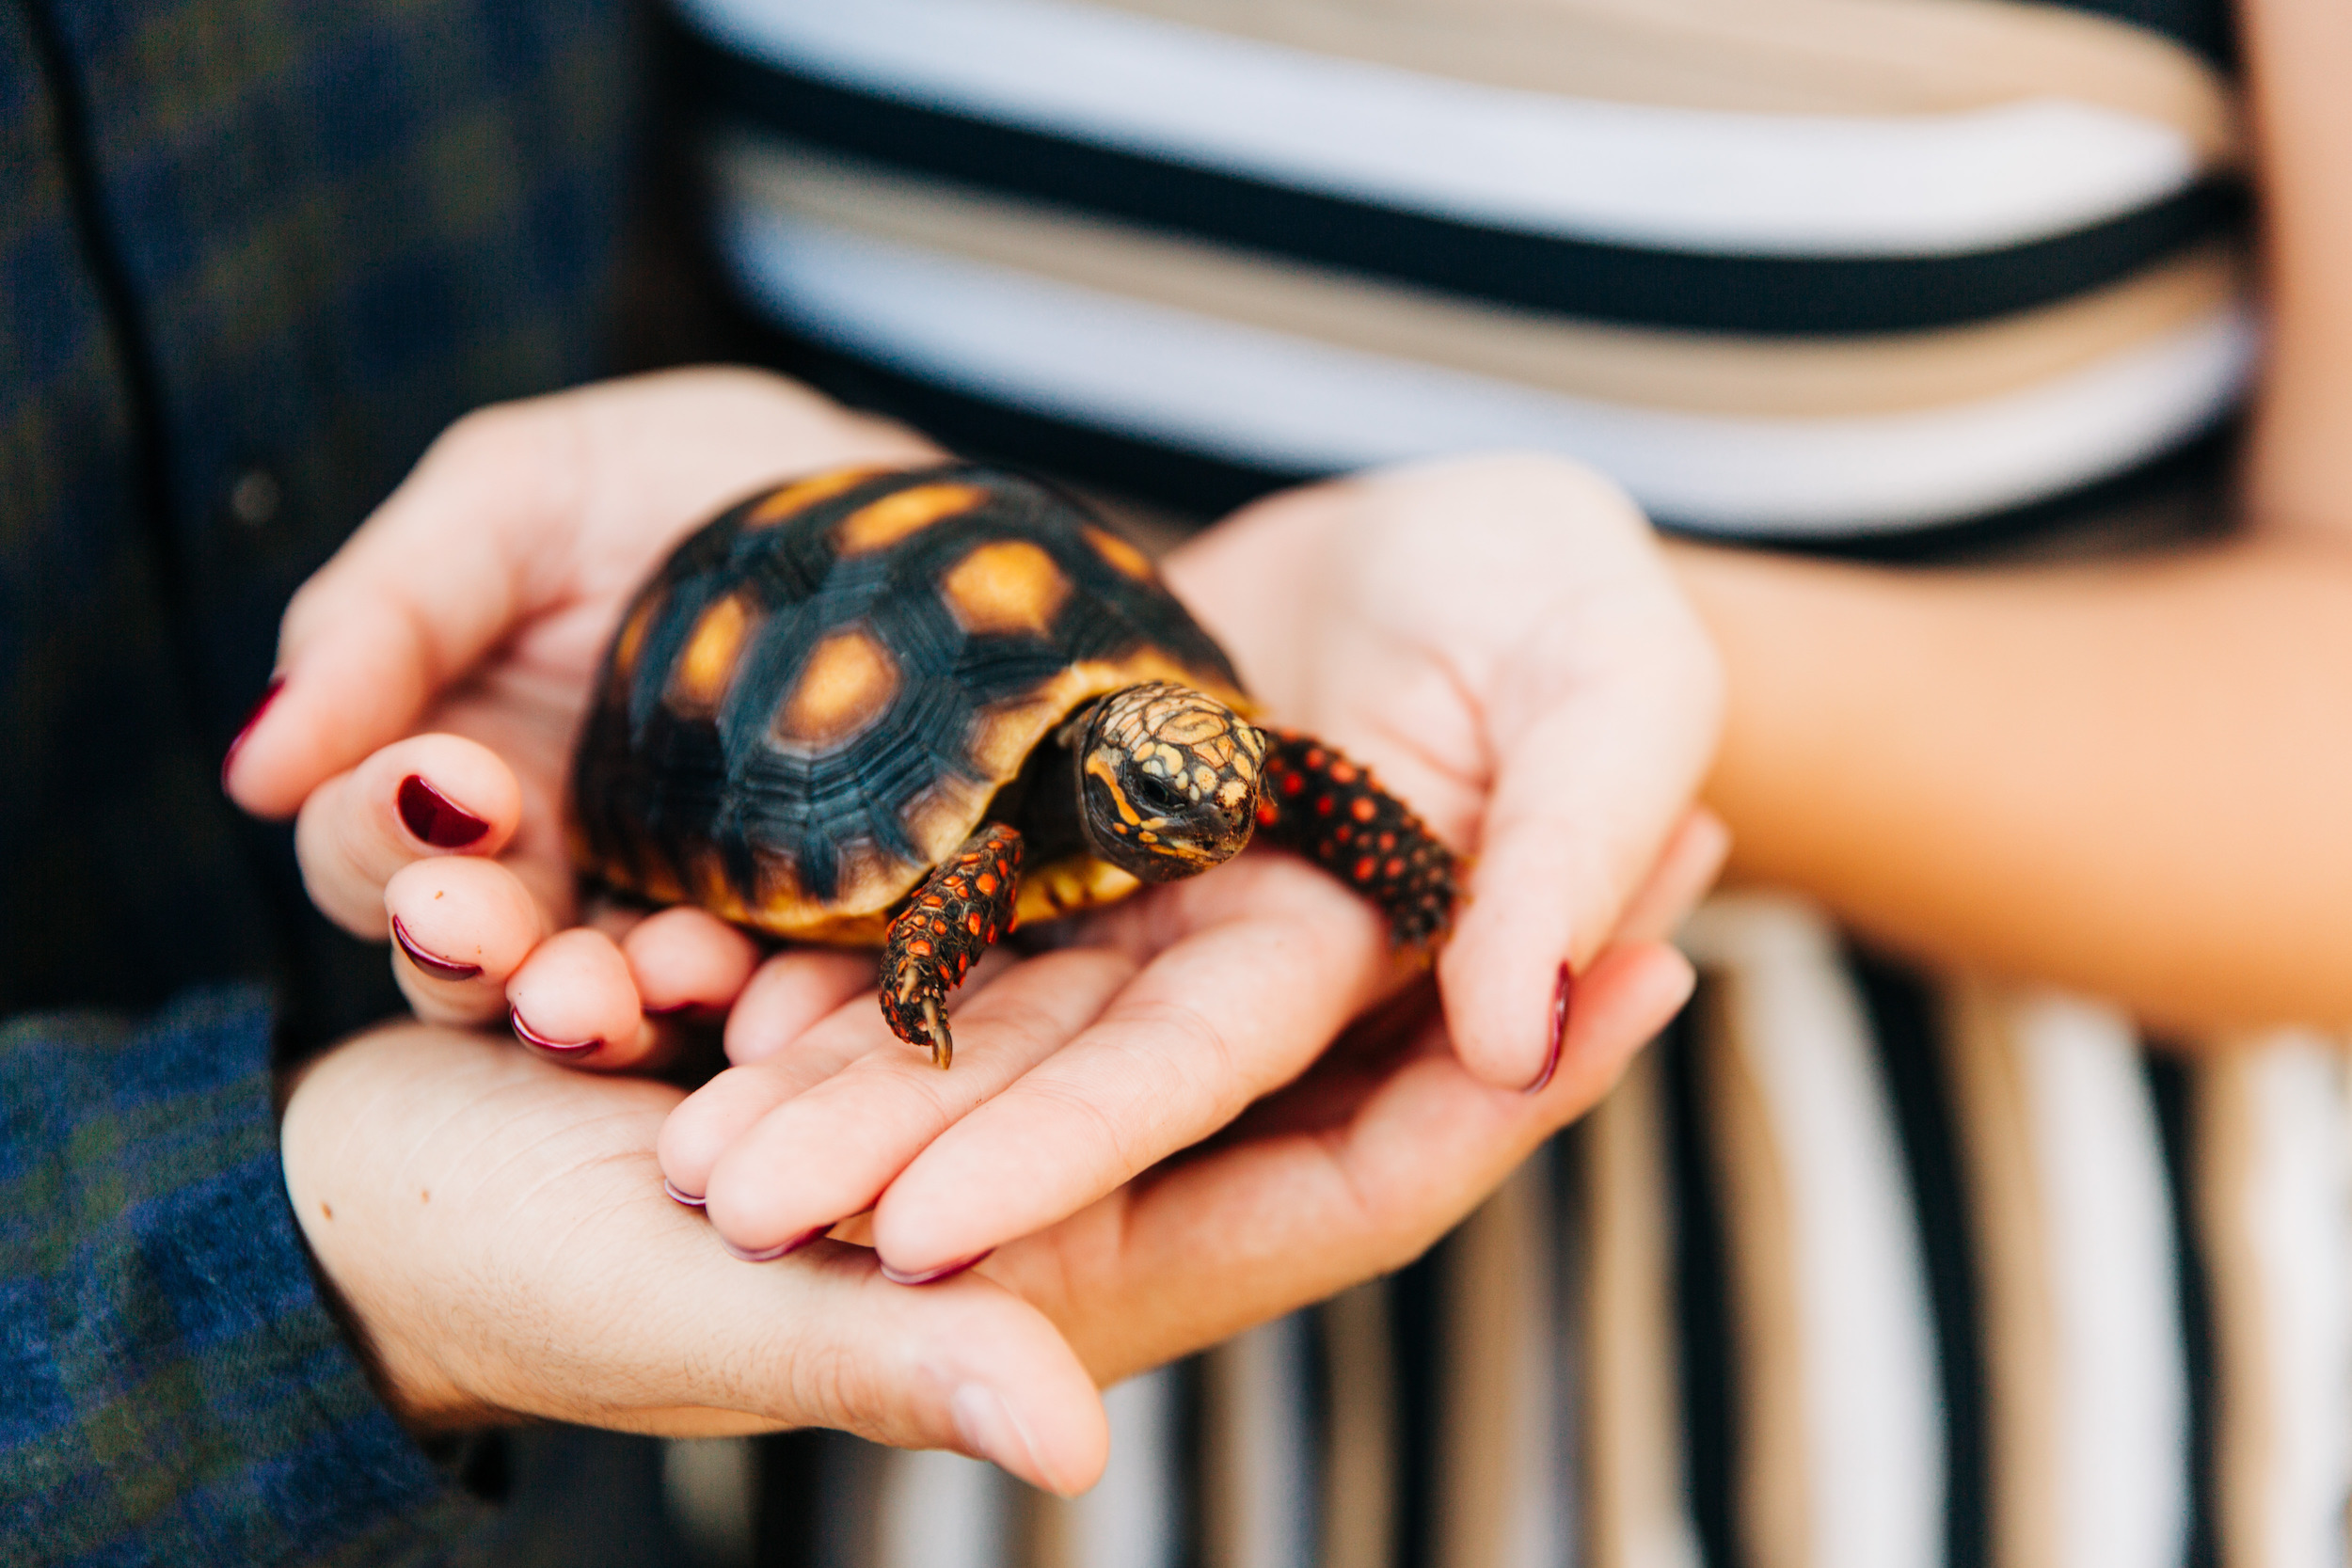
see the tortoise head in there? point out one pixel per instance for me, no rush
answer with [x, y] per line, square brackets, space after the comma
[1167, 779]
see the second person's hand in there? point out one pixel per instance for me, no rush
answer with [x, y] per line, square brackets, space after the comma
[431, 677]
[1501, 640]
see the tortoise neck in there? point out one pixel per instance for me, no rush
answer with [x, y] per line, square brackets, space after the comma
[1046, 799]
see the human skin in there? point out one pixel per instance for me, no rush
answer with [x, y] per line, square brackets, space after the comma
[2114, 779]
[2124, 778]
[456, 637]
[494, 1225]
[1497, 640]
[2117, 778]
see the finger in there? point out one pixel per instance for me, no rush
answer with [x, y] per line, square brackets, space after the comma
[789, 994]
[806, 1015]
[827, 1153]
[461, 927]
[546, 1277]
[1215, 1021]
[572, 1001]
[686, 958]
[1587, 792]
[723, 1110]
[964, 1364]
[1265, 1225]
[515, 511]
[1694, 859]
[1591, 692]
[428, 794]
[431, 581]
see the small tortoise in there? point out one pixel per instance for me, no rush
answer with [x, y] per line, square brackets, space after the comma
[913, 708]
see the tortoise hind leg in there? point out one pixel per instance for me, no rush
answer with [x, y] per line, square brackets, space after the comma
[965, 905]
[1332, 811]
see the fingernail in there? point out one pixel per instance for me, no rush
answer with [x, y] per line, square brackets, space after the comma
[441, 969]
[1562, 994]
[775, 1252]
[435, 818]
[269, 695]
[931, 1275]
[991, 1430]
[679, 1196]
[538, 1041]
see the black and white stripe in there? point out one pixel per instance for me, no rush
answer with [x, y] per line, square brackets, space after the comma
[1859, 1266]
[1855, 1267]
[1740, 233]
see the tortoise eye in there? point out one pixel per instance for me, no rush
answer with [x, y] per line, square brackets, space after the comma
[1157, 796]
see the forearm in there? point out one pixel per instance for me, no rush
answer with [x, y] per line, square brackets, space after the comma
[2126, 778]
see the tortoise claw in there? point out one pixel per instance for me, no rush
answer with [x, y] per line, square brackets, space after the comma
[942, 1043]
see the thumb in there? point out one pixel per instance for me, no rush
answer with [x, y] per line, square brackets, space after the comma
[439, 574]
[964, 1364]
[497, 1229]
[1589, 788]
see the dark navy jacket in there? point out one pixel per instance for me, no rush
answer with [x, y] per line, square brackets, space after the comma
[254, 253]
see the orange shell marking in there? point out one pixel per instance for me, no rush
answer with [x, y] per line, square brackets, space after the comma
[1120, 554]
[633, 634]
[885, 522]
[1010, 585]
[803, 494]
[847, 685]
[700, 677]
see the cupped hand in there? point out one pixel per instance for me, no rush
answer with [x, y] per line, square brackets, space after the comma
[495, 1229]
[1075, 1069]
[434, 673]
[1499, 639]
[1351, 1172]
[1163, 1020]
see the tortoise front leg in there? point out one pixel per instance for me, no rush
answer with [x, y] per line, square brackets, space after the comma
[965, 905]
[1334, 812]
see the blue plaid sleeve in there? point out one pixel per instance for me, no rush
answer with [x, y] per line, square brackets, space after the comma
[172, 1389]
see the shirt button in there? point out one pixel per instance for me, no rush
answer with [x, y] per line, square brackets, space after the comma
[255, 497]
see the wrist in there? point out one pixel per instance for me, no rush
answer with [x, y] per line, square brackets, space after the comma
[1797, 696]
[425, 1394]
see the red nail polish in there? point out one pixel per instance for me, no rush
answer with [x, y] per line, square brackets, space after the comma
[269, 695]
[441, 969]
[771, 1254]
[1562, 994]
[679, 1194]
[538, 1041]
[930, 1276]
[435, 818]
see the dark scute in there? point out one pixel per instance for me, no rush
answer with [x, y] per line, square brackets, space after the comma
[650, 780]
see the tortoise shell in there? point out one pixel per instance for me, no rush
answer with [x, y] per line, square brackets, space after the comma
[818, 697]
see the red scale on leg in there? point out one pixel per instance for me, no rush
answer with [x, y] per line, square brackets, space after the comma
[1411, 875]
[928, 954]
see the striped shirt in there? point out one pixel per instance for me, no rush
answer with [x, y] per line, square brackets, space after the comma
[1812, 270]
[1858, 1266]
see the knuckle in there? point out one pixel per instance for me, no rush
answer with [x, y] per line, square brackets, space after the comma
[845, 1385]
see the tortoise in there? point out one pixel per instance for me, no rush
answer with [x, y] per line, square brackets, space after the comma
[913, 708]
